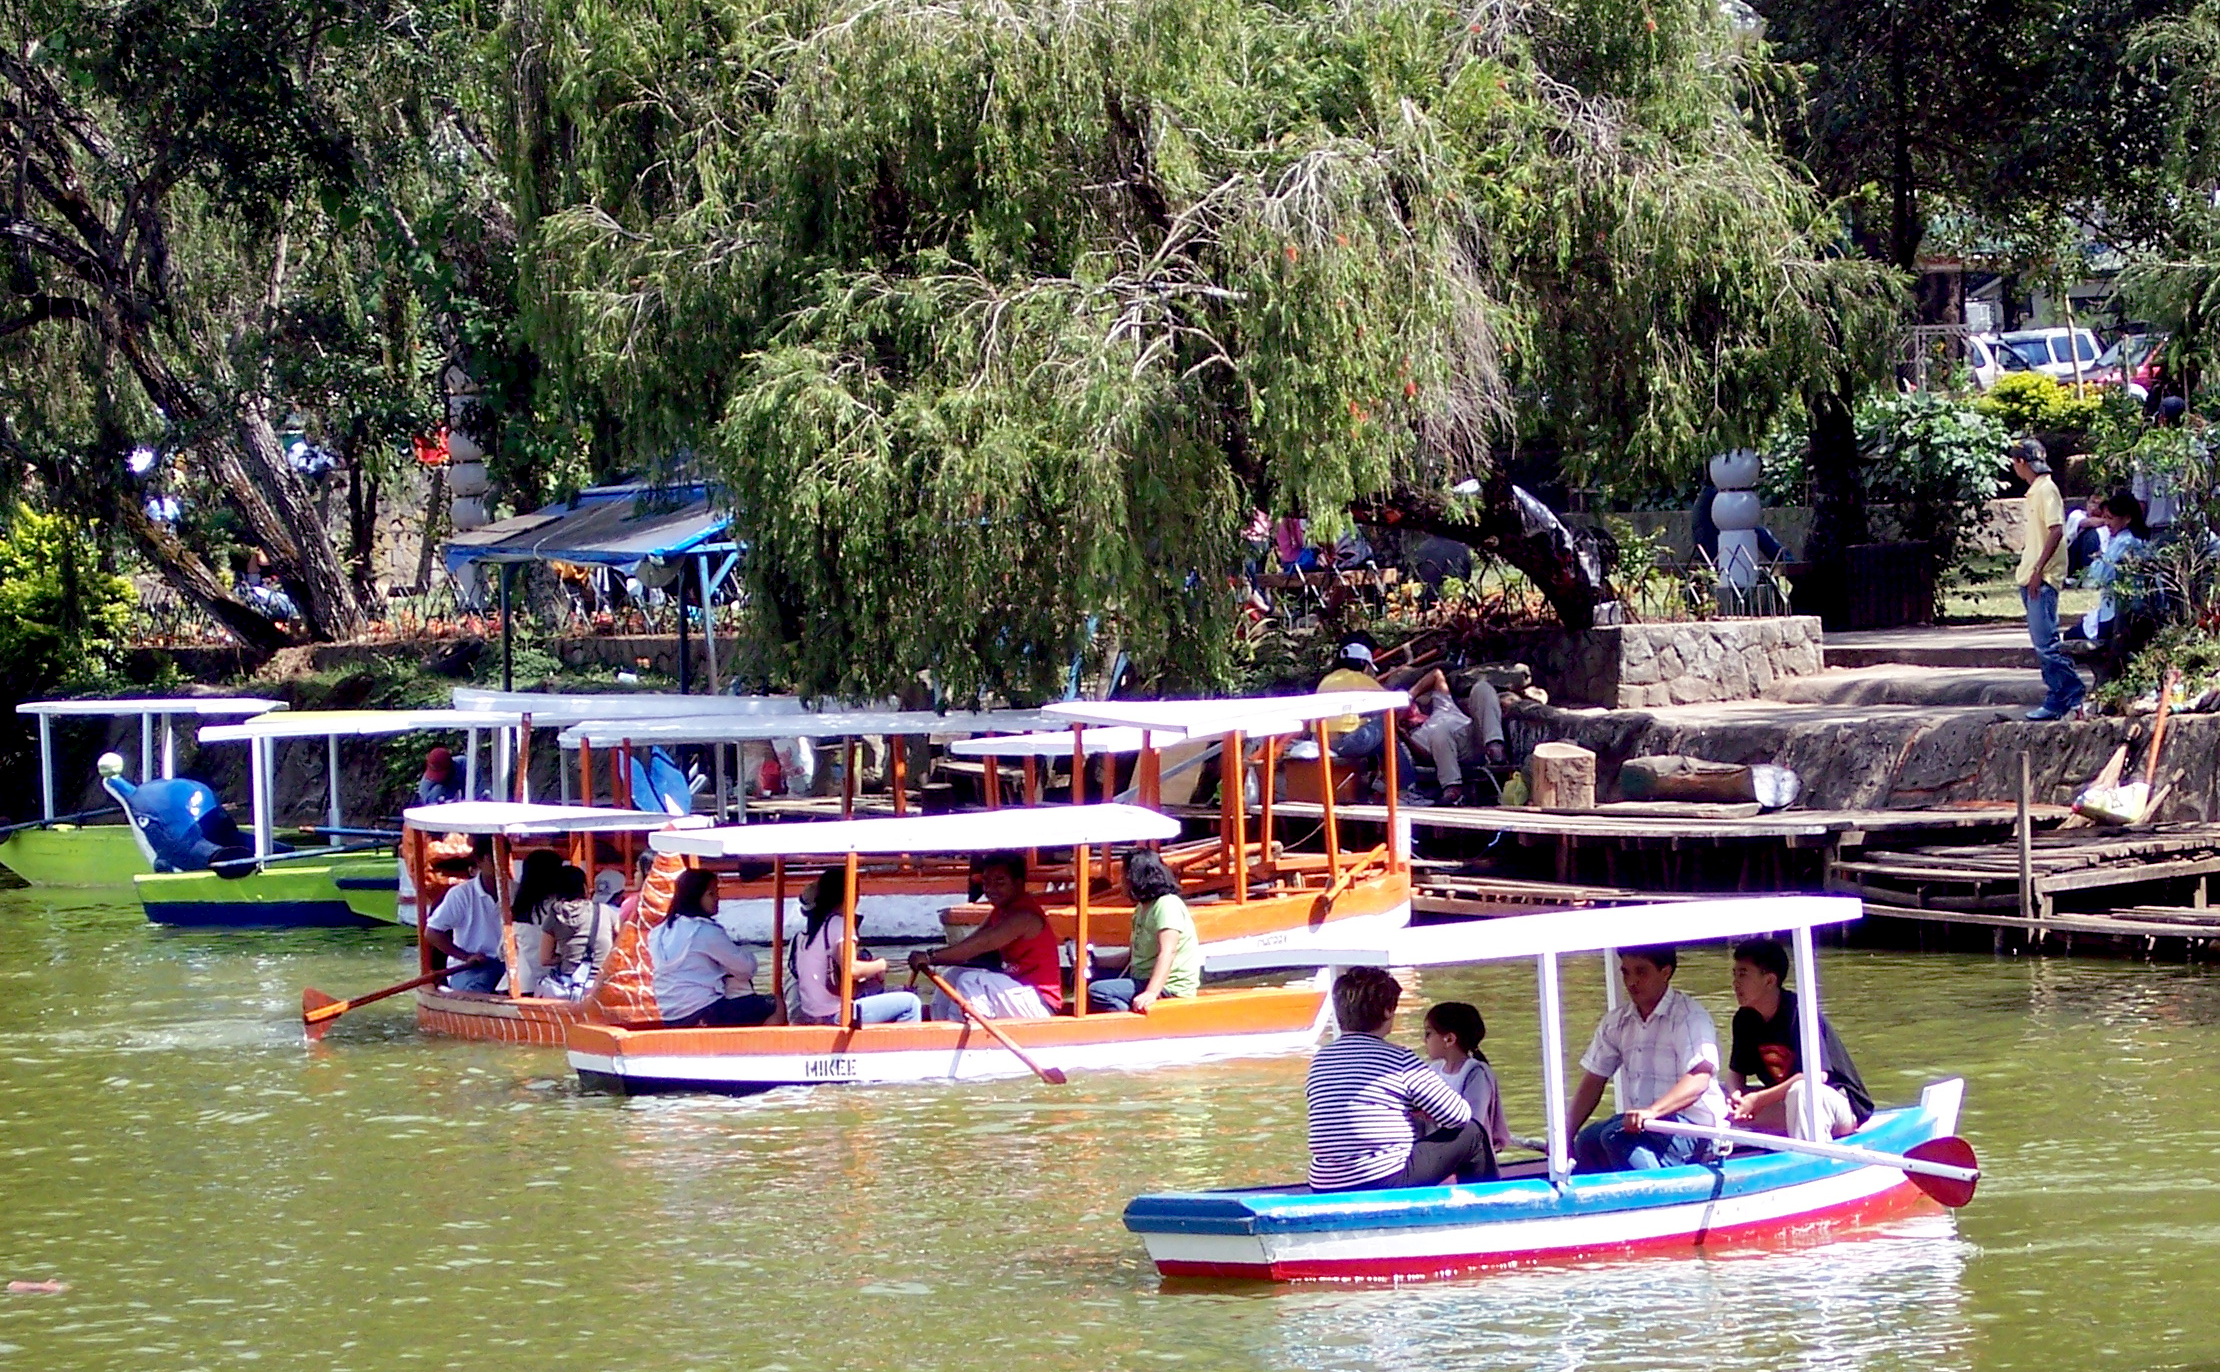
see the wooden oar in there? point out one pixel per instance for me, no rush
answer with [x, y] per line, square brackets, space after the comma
[319, 1010]
[6, 830]
[1944, 1168]
[1054, 1076]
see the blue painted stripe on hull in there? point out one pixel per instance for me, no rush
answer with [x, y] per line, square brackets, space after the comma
[287, 914]
[1290, 1212]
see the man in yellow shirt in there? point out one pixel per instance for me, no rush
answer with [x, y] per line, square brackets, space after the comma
[2042, 571]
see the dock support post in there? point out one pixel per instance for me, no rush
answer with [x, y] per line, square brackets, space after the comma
[2025, 833]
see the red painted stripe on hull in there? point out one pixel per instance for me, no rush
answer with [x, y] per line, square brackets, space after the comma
[1790, 1231]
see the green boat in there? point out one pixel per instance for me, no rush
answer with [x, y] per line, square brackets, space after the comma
[70, 855]
[61, 852]
[323, 892]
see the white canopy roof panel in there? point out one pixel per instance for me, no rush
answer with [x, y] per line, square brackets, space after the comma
[1248, 714]
[608, 732]
[1098, 739]
[1053, 826]
[1571, 931]
[355, 723]
[550, 710]
[205, 707]
[518, 819]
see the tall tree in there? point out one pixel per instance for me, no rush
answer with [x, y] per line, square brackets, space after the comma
[998, 318]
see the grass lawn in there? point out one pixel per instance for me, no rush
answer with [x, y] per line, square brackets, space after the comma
[1984, 590]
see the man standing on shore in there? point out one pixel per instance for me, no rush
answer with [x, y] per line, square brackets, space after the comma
[2042, 572]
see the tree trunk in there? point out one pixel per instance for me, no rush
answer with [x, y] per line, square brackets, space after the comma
[197, 582]
[1838, 512]
[282, 517]
[1513, 526]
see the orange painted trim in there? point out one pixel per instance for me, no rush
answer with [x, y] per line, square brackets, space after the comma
[1287, 908]
[495, 1018]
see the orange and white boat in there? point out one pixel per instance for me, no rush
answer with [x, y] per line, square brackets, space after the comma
[633, 1055]
[432, 835]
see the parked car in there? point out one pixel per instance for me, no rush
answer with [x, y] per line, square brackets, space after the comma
[2052, 351]
[1983, 360]
[2132, 361]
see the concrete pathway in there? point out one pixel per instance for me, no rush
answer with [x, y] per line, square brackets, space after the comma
[1953, 645]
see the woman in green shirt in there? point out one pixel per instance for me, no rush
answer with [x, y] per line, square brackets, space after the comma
[1166, 957]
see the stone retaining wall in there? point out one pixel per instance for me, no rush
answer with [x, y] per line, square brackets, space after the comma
[1894, 757]
[1638, 666]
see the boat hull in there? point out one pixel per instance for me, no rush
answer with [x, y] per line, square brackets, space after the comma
[1442, 1231]
[1249, 1022]
[67, 855]
[493, 1018]
[348, 892]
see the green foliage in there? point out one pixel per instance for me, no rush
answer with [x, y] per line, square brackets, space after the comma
[2032, 403]
[61, 617]
[1935, 459]
[999, 317]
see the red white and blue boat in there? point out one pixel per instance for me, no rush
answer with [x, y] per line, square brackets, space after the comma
[1540, 1211]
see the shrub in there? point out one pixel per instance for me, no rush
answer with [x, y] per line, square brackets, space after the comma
[62, 618]
[1937, 460]
[2032, 403]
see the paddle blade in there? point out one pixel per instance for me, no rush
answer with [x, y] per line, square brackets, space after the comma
[1951, 1151]
[313, 1000]
[1054, 1076]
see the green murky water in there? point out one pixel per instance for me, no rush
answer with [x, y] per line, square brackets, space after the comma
[218, 1196]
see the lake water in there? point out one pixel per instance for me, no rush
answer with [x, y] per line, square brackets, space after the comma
[218, 1195]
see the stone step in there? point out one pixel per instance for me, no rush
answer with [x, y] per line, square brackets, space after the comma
[1967, 646]
[1897, 684]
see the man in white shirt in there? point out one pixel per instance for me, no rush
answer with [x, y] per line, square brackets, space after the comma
[467, 923]
[1665, 1045]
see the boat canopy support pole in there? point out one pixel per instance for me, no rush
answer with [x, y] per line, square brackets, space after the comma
[504, 770]
[46, 765]
[1810, 1046]
[1553, 1070]
[508, 634]
[331, 780]
[169, 747]
[258, 764]
[847, 948]
[470, 768]
[1610, 1003]
[146, 748]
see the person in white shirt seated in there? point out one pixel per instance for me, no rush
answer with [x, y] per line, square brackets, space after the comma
[1668, 1050]
[815, 963]
[468, 922]
[703, 980]
[1364, 1094]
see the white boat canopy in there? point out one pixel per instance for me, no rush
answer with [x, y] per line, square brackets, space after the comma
[1054, 826]
[149, 709]
[1097, 741]
[608, 732]
[263, 733]
[1567, 932]
[554, 711]
[520, 819]
[1178, 719]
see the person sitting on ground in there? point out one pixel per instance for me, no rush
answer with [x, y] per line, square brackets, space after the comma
[440, 782]
[576, 931]
[1030, 984]
[2123, 535]
[697, 965]
[1166, 955]
[1767, 1049]
[815, 961]
[468, 923]
[1364, 1092]
[1452, 1040]
[1669, 1050]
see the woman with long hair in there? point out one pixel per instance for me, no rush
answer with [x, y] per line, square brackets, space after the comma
[698, 966]
[1165, 958]
[815, 964]
[1452, 1038]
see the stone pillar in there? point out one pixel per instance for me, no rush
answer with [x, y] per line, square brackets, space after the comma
[467, 480]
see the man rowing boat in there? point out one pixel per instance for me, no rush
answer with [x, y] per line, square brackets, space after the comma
[1665, 1045]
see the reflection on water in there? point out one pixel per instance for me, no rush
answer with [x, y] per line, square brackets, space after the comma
[218, 1195]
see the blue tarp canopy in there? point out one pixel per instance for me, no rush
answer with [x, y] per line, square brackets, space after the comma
[606, 526]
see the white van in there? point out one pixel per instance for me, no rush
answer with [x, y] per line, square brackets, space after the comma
[2050, 351]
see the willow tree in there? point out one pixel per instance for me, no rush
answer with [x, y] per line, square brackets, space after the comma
[998, 318]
